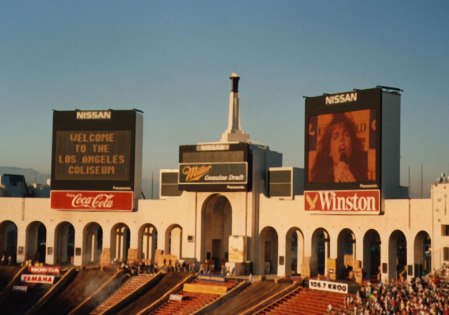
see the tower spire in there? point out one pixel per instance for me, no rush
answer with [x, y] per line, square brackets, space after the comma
[234, 132]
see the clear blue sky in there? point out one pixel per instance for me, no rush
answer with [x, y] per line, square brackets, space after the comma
[172, 60]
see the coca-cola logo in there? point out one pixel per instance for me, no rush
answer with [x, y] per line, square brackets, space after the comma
[100, 201]
[92, 200]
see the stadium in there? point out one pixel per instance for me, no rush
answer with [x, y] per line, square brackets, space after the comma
[232, 207]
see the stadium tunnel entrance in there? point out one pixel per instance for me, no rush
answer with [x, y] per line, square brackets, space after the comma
[148, 242]
[64, 243]
[173, 240]
[216, 228]
[36, 241]
[92, 243]
[294, 256]
[8, 237]
[371, 254]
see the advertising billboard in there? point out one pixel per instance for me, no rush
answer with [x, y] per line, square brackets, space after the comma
[94, 159]
[343, 201]
[214, 167]
[342, 142]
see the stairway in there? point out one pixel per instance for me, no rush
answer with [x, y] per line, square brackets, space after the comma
[130, 286]
[307, 301]
[193, 301]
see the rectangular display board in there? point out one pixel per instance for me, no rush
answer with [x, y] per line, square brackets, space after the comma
[45, 279]
[224, 176]
[342, 141]
[343, 201]
[337, 287]
[214, 167]
[95, 151]
[93, 155]
[92, 200]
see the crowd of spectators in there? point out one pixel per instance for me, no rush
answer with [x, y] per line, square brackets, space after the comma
[427, 295]
[6, 259]
[147, 266]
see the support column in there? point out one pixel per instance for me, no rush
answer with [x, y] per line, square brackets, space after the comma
[281, 252]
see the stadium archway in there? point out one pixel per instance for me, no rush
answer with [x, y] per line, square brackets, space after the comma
[120, 242]
[36, 241]
[216, 227]
[173, 240]
[92, 243]
[148, 242]
[345, 253]
[64, 243]
[294, 251]
[371, 254]
[397, 255]
[268, 250]
[422, 248]
[8, 239]
[320, 252]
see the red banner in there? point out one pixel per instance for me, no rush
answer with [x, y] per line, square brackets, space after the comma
[44, 270]
[38, 279]
[335, 201]
[92, 200]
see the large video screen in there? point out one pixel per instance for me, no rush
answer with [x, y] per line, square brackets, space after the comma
[343, 141]
[93, 150]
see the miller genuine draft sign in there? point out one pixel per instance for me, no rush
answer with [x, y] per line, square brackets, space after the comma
[233, 175]
[229, 173]
[94, 162]
[214, 167]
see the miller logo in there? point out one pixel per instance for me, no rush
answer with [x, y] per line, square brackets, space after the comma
[195, 173]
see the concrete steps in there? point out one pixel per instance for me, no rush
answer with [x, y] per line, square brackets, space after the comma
[129, 287]
[193, 301]
[306, 301]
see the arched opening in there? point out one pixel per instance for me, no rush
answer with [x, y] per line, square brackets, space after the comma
[8, 240]
[92, 243]
[422, 248]
[345, 253]
[397, 253]
[173, 240]
[36, 241]
[269, 250]
[320, 252]
[371, 254]
[294, 251]
[64, 243]
[148, 242]
[216, 227]
[120, 242]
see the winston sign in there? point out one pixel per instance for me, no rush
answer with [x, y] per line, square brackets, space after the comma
[343, 201]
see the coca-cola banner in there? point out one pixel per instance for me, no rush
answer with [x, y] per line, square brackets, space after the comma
[343, 201]
[92, 200]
